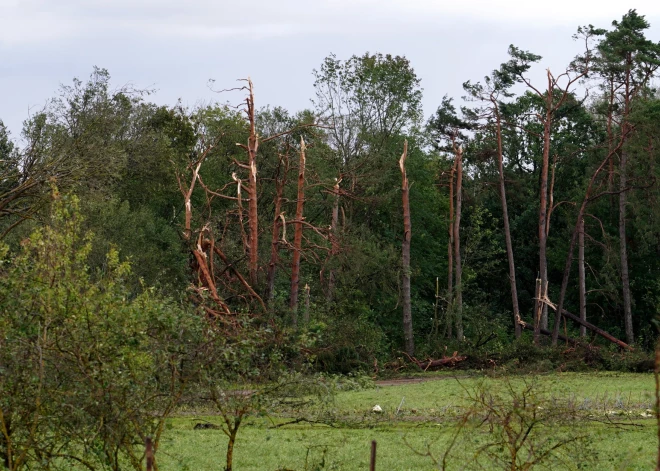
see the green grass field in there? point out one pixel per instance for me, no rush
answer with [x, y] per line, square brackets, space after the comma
[616, 432]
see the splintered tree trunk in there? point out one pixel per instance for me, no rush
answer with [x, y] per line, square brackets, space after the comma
[297, 238]
[625, 276]
[543, 208]
[457, 245]
[405, 249]
[334, 235]
[253, 145]
[450, 254]
[507, 229]
[582, 281]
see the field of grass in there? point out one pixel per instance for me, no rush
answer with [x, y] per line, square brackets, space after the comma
[617, 432]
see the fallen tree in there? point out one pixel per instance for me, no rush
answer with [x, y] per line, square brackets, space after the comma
[588, 325]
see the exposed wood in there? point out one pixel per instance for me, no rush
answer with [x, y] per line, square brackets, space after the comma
[297, 238]
[405, 250]
[590, 326]
[251, 189]
[543, 192]
[372, 461]
[238, 275]
[445, 361]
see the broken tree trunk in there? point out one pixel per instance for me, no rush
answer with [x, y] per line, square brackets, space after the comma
[405, 249]
[445, 361]
[590, 326]
[297, 238]
[251, 189]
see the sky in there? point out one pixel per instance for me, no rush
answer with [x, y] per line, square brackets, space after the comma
[176, 47]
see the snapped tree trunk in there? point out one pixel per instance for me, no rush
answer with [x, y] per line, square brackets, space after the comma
[543, 206]
[458, 312]
[507, 229]
[405, 250]
[297, 238]
[253, 145]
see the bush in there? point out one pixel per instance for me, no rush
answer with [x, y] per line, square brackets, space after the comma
[86, 371]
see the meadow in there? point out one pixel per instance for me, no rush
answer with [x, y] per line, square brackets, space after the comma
[606, 422]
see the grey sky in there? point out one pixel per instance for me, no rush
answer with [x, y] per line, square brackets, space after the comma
[176, 46]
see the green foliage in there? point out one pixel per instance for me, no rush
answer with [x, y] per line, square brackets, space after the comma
[88, 371]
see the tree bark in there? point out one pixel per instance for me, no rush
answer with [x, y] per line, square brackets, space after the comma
[457, 245]
[582, 281]
[543, 206]
[297, 238]
[507, 229]
[253, 145]
[405, 256]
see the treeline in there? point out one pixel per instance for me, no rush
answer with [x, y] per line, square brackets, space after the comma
[526, 195]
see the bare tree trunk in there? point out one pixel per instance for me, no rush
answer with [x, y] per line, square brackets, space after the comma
[625, 275]
[334, 235]
[543, 207]
[297, 238]
[450, 254]
[457, 245]
[405, 249]
[507, 229]
[251, 189]
[582, 281]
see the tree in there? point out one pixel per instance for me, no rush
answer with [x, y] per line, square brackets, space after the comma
[497, 86]
[88, 370]
[627, 61]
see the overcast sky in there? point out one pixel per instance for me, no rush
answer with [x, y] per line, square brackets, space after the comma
[175, 47]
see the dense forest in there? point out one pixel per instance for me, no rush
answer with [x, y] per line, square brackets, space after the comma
[521, 192]
[149, 249]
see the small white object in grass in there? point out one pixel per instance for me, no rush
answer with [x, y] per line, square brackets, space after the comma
[377, 409]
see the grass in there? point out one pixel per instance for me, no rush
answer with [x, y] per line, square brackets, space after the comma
[427, 420]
